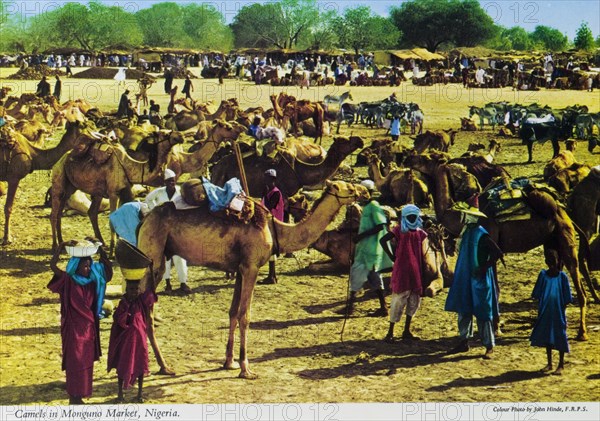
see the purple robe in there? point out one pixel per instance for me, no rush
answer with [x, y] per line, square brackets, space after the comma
[128, 346]
[79, 331]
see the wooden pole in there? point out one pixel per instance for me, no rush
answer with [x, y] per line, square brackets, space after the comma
[240, 162]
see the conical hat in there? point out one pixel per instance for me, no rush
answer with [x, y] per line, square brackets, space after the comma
[465, 208]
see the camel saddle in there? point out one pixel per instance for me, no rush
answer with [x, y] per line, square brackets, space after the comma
[507, 200]
[98, 151]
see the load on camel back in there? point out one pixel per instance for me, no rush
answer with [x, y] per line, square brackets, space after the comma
[229, 202]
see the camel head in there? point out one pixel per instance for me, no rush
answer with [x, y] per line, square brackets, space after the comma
[346, 193]
[347, 145]
[223, 131]
[476, 146]
[298, 206]
[173, 137]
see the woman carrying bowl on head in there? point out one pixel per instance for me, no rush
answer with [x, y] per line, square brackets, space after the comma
[81, 287]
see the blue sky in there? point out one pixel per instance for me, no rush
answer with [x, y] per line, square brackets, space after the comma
[564, 15]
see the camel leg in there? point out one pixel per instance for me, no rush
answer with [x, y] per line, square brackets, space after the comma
[93, 215]
[555, 147]
[570, 261]
[230, 363]
[247, 286]
[10, 199]
[164, 369]
[530, 150]
[59, 199]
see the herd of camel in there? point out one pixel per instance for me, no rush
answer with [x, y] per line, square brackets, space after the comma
[105, 157]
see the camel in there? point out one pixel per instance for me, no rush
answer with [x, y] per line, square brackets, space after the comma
[567, 178]
[583, 204]
[476, 165]
[291, 174]
[183, 162]
[563, 160]
[21, 158]
[208, 240]
[34, 131]
[439, 140]
[298, 111]
[475, 149]
[400, 185]
[113, 179]
[549, 226]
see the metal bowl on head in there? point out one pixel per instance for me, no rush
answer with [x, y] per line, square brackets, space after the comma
[83, 248]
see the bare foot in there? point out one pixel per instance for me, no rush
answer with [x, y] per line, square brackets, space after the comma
[558, 371]
[248, 375]
[488, 354]
[166, 371]
[120, 399]
[140, 399]
[546, 369]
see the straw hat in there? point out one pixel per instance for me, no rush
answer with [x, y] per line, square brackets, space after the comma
[465, 208]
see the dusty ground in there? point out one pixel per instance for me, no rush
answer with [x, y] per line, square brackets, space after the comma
[295, 344]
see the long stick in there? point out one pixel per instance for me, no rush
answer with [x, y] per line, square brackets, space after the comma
[240, 162]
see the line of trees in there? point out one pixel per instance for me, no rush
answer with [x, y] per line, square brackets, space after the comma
[302, 24]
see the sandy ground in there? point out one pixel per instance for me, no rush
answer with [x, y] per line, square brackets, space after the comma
[296, 344]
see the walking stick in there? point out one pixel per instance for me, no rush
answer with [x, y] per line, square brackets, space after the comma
[240, 162]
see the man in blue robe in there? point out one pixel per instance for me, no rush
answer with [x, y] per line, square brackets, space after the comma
[473, 291]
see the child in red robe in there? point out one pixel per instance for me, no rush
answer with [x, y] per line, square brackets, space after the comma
[81, 288]
[128, 346]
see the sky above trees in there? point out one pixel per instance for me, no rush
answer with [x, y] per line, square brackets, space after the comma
[300, 24]
[564, 15]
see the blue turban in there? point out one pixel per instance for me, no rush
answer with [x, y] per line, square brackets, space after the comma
[96, 276]
[405, 224]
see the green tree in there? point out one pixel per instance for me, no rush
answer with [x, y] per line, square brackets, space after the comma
[598, 41]
[515, 38]
[584, 39]
[91, 27]
[161, 25]
[359, 28]
[431, 23]
[549, 38]
[281, 24]
[323, 34]
[205, 28]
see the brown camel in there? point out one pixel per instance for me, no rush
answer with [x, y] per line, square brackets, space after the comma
[476, 149]
[549, 226]
[208, 240]
[584, 203]
[298, 111]
[34, 131]
[291, 174]
[565, 179]
[189, 119]
[195, 162]
[564, 159]
[476, 165]
[19, 158]
[113, 179]
[400, 185]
